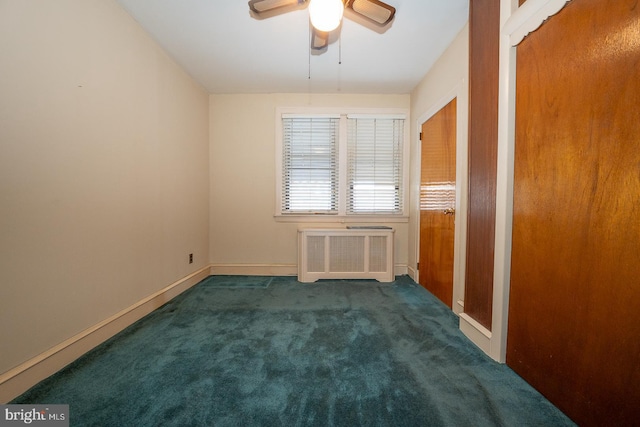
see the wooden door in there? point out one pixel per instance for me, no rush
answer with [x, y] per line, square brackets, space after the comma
[574, 322]
[437, 203]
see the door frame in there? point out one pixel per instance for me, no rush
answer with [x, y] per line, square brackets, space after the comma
[460, 91]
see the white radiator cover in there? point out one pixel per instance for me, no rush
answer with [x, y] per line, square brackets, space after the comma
[341, 253]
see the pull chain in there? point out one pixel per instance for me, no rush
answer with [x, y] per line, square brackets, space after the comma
[309, 54]
[340, 63]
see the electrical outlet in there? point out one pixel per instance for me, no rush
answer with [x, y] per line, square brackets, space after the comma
[190, 258]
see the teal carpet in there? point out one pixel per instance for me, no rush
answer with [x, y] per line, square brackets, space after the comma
[256, 351]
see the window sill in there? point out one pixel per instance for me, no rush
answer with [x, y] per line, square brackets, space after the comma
[342, 219]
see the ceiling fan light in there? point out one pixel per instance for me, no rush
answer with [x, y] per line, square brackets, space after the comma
[326, 15]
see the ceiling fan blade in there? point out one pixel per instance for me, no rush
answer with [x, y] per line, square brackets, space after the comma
[261, 6]
[319, 39]
[374, 10]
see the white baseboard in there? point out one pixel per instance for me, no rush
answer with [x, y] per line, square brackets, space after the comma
[413, 273]
[19, 379]
[458, 307]
[477, 333]
[254, 269]
[400, 269]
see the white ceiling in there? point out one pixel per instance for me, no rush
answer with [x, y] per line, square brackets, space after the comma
[227, 50]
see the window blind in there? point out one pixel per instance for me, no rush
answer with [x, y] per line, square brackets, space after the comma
[310, 165]
[374, 158]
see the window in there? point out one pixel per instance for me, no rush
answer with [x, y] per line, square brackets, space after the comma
[347, 165]
[310, 164]
[375, 165]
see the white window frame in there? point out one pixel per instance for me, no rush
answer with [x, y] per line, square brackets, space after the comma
[342, 216]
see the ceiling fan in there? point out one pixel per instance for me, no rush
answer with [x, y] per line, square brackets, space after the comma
[326, 15]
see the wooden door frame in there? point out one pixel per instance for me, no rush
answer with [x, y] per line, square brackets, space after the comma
[515, 24]
[460, 92]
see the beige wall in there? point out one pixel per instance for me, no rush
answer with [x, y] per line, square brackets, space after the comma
[448, 77]
[244, 235]
[103, 170]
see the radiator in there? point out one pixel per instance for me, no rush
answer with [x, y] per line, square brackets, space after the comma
[342, 253]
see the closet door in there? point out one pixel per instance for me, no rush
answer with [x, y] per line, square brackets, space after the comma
[574, 313]
[437, 202]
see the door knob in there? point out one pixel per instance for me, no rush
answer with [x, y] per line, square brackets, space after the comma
[450, 211]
